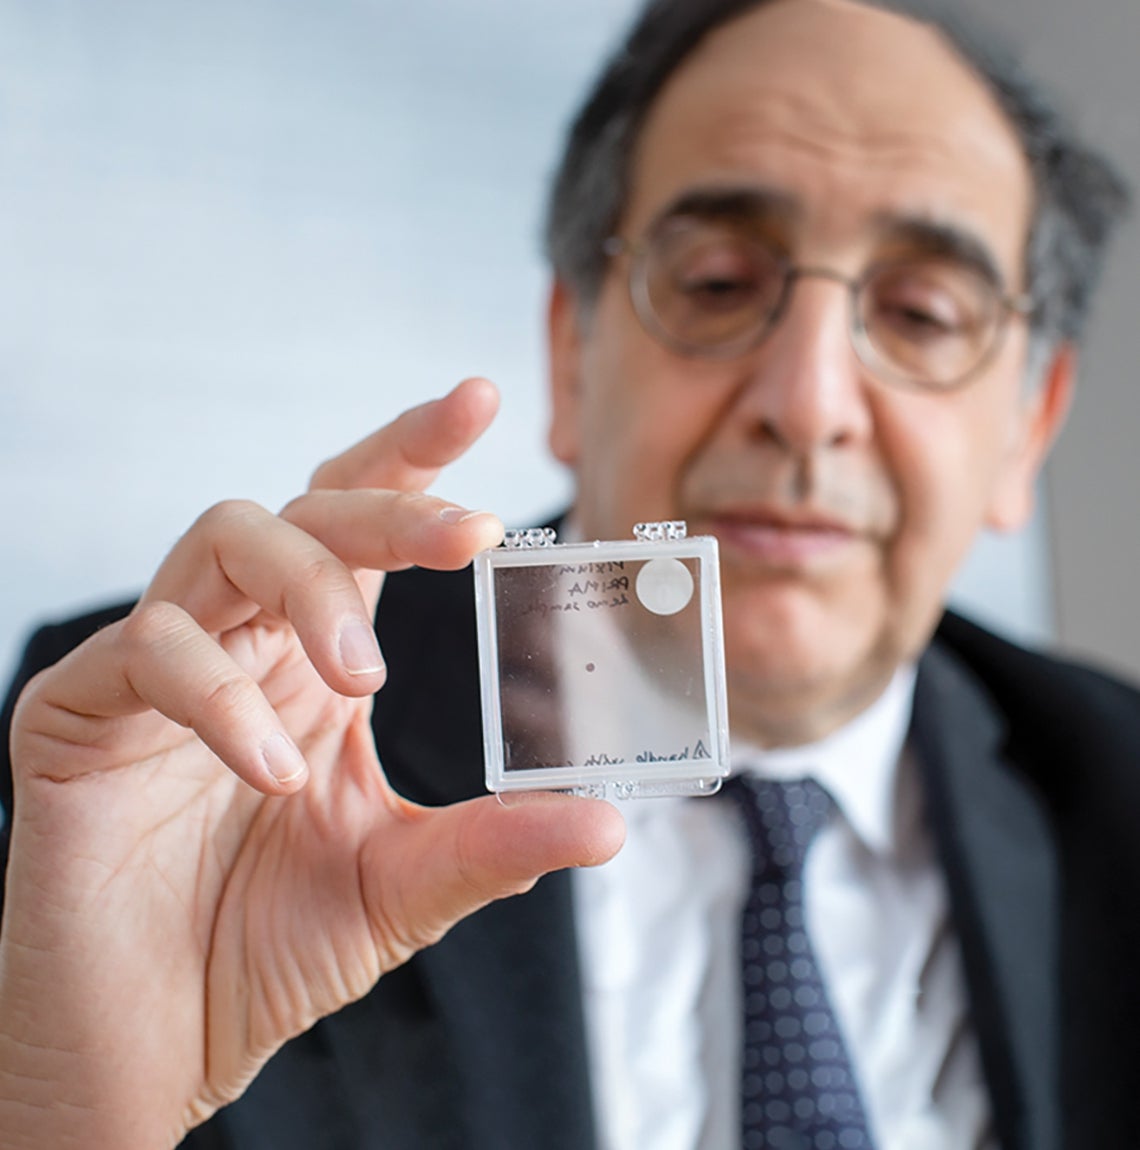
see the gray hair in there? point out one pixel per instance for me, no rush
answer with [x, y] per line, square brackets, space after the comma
[1080, 197]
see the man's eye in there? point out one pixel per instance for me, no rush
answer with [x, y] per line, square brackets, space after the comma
[921, 322]
[918, 318]
[717, 290]
[716, 287]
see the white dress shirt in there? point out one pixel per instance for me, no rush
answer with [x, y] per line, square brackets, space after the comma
[659, 929]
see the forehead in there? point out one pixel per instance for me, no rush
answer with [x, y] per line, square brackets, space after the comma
[850, 113]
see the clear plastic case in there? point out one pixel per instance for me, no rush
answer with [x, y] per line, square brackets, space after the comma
[602, 664]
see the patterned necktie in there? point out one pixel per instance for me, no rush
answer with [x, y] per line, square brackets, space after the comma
[799, 1090]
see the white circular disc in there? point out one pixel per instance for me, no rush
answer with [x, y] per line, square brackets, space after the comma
[664, 586]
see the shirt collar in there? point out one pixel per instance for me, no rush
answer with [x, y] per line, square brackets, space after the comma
[858, 764]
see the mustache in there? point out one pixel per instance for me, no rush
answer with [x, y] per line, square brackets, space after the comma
[824, 488]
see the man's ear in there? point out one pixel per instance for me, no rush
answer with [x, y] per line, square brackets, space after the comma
[564, 343]
[1042, 417]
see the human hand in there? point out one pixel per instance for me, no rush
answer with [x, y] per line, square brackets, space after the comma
[206, 856]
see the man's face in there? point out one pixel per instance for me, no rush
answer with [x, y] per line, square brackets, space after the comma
[842, 503]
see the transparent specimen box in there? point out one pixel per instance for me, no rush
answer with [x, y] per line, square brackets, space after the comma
[602, 664]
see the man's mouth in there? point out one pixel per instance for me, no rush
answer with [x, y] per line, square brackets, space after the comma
[778, 538]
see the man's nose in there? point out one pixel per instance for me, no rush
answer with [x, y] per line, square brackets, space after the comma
[806, 387]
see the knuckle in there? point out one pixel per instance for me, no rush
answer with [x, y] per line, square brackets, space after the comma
[294, 509]
[230, 698]
[316, 582]
[324, 475]
[471, 878]
[230, 515]
[30, 696]
[322, 571]
[153, 623]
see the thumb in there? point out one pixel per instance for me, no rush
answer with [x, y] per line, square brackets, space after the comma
[454, 860]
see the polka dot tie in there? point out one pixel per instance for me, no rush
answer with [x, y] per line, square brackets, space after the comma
[799, 1091]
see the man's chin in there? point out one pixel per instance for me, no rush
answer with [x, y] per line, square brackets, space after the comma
[788, 687]
[780, 624]
[773, 711]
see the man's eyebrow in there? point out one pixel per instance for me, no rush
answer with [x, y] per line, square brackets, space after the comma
[743, 204]
[932, 238]
[921, 235]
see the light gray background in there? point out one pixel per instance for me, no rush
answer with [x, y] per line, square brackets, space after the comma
[1089, 53]
[239, 234]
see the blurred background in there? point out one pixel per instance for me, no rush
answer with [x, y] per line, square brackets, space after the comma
[237, 235]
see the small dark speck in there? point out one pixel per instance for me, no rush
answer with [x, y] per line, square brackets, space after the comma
[589, 666]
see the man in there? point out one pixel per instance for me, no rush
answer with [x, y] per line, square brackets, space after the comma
[818, 284]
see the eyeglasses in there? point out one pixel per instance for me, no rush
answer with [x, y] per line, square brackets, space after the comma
[713, 290]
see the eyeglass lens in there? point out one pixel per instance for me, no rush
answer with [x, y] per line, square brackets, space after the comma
[712, 289]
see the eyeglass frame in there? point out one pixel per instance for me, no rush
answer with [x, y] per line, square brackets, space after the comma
[1022, 305]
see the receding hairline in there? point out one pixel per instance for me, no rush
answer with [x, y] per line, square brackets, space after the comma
[966, 84]
[1079, 195]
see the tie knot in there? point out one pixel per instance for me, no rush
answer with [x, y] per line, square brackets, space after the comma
[782, 818]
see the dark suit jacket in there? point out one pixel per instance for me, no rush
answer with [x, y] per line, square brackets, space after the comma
[1032, 776]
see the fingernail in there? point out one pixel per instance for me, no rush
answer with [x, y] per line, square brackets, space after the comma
[526, 798]
[359, 649]
[282, 759]
[455, 515]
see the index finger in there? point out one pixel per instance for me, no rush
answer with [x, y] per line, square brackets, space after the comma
[408, 453]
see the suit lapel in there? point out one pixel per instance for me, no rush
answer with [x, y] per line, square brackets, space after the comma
[1000, 863]
[506, 980]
